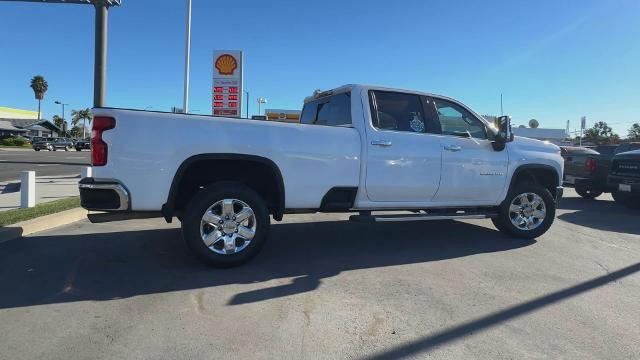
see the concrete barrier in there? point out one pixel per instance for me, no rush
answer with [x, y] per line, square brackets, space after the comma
[27, 189]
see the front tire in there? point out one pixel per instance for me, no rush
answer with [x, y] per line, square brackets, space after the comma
[527, 212]
[225, 224]
[588, 193]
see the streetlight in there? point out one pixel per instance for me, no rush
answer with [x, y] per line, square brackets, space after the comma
[260, 102]
[60, 103]
[246, 92]
[63, 122]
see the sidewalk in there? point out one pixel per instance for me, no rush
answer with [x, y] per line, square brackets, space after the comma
[48, 188]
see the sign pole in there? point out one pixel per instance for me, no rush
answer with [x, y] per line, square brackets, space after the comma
[185, 95]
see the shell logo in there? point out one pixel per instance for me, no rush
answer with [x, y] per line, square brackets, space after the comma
[226, 64]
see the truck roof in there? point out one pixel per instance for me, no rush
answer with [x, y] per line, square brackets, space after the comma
[350, 87]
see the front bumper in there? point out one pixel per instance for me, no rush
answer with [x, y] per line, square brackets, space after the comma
[40, 146]
[103, 195]
[559, 193]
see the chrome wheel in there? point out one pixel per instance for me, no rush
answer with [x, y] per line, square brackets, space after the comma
[228, 226]
[527, 211]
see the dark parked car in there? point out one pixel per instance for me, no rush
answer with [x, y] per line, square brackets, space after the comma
[588, 172]
[52, 144]
[82, 144]
[580, 166]
[624, 180]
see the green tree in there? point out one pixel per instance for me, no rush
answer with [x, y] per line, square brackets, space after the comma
[634, 132]
[81, 115]
[39, 86]
[58, 121]
[74, 132]
[601, 133]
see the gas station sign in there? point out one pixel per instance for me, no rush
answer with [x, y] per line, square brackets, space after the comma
[227, 92]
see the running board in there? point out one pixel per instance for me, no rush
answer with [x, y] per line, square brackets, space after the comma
[418, 217]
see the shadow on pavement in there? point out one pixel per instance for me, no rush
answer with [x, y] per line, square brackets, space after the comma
[104, 266]
[600, 214]
[453, 333]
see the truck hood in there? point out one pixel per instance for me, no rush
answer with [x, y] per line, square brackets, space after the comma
[535, 145]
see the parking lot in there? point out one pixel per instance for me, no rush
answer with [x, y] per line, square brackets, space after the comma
[324, 287]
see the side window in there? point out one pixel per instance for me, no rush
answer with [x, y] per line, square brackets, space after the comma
[400, 112]
[334, 110]
[456, 120]
[309, 112]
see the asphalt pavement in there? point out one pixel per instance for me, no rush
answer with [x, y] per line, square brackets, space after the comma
[327, 288]
[44, 163]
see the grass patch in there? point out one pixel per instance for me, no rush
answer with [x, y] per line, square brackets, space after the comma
[16, 146]
[17, 215]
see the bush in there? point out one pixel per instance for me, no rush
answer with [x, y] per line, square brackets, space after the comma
[8, 142]
[14, 141]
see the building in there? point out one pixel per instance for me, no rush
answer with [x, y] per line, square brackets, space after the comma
[283, 115]
[25, 123]
[555, 136]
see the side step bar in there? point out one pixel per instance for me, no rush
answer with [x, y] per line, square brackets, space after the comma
[419, 217]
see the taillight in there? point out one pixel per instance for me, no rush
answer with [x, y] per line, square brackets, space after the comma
[590, 164]
[99, 148]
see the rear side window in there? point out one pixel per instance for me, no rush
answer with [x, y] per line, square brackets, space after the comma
[333, 110]
[401, 112]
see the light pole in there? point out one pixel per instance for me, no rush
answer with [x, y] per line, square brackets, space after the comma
[246, 92]
[63, 104]
[185, 94]
[60, 103]
[260, 102]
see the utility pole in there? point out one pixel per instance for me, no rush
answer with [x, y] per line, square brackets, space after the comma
[501, 112]
[247, 101]
[185, 95]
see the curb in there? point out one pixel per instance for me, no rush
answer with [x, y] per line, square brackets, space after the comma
[42, 223]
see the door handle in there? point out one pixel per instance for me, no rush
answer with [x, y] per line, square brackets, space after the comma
[453, 148]
[384, 143]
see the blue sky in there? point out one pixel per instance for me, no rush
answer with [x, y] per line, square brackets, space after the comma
[552, 60]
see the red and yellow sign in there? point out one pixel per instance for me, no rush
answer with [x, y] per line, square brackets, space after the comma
[226, 64]
[227, 83]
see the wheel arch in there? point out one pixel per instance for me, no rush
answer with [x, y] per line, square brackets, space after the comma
[275, 201]
[545, 175]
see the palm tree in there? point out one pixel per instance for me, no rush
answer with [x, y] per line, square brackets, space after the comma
[39, 86]
[83, 115]
[58, 121]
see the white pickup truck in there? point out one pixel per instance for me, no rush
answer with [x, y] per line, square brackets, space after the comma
[357, 149]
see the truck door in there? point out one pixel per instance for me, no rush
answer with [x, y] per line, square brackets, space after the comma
[471, 170]
[403, 156]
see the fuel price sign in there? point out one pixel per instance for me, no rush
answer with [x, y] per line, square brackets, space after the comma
[227, 83]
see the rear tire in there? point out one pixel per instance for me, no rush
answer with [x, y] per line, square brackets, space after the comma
[528, 218]
[587, 193]
[202, 217]
[632, 202]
